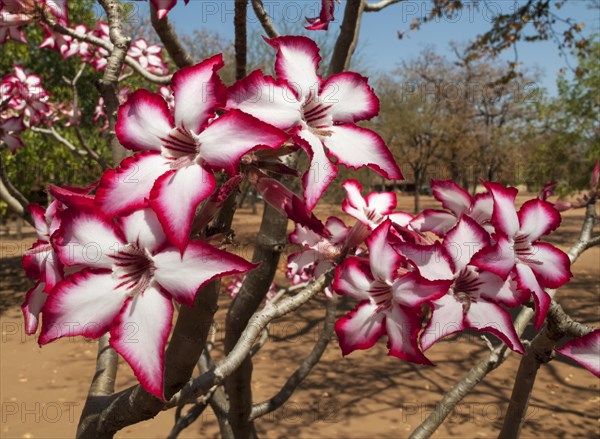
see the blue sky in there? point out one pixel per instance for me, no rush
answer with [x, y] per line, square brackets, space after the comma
[379, 45]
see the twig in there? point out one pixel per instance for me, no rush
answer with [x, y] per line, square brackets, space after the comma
[303, 370]
[12, 196]
[239, 23]
[375, 7]
[168, 36]
[498, 355]
[264, 19]
[259, 320]
[109, 83]
[109, 47]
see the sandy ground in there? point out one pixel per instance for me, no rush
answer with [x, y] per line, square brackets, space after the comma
[367, 394]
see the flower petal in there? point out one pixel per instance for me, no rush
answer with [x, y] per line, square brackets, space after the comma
[527, 281]
[452, 196]
[506, 292]
[175, 197]
[499, 258]
[183, 274]
[266, 99]
[432, 260]
[128, 187]
[489, 317]
[360, 328]
[143, 121]
[86, 237]
[483, 208]
[538, 218]
[402, 326]
[38, 214]
[198, 92]
[350, 98]
[505, 217]
[232, 135]
[296, 62]
[413, 290]
[321, 171]
[353, 278]
[585, 350]
[140, 335]
[32, 306]
[447, 318]
[85, 304]
[355, 147]
[383, 259]
[550, 265]
[464, 241]
[143, 228]
[435, 221]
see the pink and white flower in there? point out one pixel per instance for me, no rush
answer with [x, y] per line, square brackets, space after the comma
[148, 56]
[181, 149]
[475, 296]
[130, 276]
[320, 114]
[26, 94]
[41, 263]
[391, 293]
[324, 250]
[537, 265]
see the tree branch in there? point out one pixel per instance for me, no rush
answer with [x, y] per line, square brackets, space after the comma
[12, 196]
[164, 80]
[239, 23]
[303, 370]
[264, 19]
[498, 355]
[168, 36]
[541, 350]
[348, 38]
[375, 7]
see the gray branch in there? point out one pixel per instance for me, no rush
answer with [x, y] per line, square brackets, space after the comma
[16, 201]
[348, 37]
[375, 7]
[541, 350]
[303, 370]
[264, 19]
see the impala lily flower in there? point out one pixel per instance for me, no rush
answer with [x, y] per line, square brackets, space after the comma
[319, 114]
[325, 16]
[164, 6]
[9, 127]
[26, 94]
[537, 265]
[129, 277]
[174, 173]
[585, 351]
[323, 250]
[11, 25]
[149, 56]
[391, 293]
[41, 263]
[458, 202]
[474, 297]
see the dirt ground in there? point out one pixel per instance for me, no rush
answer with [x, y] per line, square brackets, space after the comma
[367, 394]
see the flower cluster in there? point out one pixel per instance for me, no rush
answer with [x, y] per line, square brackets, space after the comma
[487, 257]
[113, 257]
